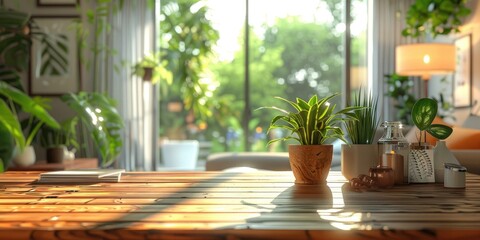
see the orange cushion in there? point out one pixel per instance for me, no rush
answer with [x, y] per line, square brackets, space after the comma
[464, 138]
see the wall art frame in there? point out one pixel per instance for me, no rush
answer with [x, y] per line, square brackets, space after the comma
[49, 79]
[57, 3]
[462, 78]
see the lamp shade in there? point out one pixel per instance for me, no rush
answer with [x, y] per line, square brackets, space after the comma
[425, 59]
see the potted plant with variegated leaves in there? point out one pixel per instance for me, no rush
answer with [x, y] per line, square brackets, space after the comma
[311, 123]
[421, 162]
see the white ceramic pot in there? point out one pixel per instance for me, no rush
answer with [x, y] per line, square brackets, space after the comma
[358, 159]
[180, 155]
[420, 164]
[25, 158]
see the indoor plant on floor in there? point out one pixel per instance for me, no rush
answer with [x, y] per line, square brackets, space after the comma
[421, 162]
[359, 156]
[37, 116]
[311, 124]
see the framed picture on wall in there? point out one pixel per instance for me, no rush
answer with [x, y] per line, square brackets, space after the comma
[57, 3]
[54, 64]
[462, 79]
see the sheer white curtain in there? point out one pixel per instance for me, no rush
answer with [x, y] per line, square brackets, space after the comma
[387, 20]
[133, 36]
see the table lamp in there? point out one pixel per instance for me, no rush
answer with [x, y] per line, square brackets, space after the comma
[425, 59]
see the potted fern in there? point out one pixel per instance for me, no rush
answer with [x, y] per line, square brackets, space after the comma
[359, 156]
[311, 124]
[421, 162]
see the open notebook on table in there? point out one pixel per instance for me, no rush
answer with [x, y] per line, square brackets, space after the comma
[82, 175]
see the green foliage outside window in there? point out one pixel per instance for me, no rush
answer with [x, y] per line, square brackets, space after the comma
[289, 57]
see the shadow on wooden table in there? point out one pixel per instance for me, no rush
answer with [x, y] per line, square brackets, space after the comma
[295, 206]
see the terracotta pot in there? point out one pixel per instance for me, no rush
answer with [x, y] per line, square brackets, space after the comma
[310, 163]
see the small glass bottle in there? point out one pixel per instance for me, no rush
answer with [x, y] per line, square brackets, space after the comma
[393, 142]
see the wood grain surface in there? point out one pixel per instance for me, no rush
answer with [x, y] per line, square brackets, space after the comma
[220, 205]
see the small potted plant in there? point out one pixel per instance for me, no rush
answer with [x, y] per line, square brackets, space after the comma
[10, 104]
[311, 123]
[359, 156]
[151, 68]
[421, 162]
[57, 141]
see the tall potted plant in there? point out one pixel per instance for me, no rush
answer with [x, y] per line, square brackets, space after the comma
[17, 31]
[359, 156]
[421, 162]
[11, 123]
[311, 124]
[99, 115]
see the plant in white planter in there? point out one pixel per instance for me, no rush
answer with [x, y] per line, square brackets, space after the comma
[359, 156]
[36, 108]
[311, 124]
[421, 165]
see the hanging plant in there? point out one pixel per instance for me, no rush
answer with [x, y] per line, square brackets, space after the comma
[438, 17]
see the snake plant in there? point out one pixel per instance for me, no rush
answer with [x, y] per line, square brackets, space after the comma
[313, 121]
[363, 130]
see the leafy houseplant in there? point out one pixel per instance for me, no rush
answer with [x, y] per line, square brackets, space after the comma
[311, 124]
[438, 17]
[151, 68]
[98, 113]
[57, 141]
[421, 160]
[423, 114]
[358, 158]
[17, 32]
[36, 108]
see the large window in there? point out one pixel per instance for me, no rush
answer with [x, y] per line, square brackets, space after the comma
[229, 58]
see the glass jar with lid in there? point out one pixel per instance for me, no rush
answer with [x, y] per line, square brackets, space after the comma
[393, 148]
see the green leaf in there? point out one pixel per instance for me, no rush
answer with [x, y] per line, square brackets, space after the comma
[11, 124]
[440, 131]
[100, 116]
[424, 112]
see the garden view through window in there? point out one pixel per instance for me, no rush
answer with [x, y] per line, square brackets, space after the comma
[222, 74]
